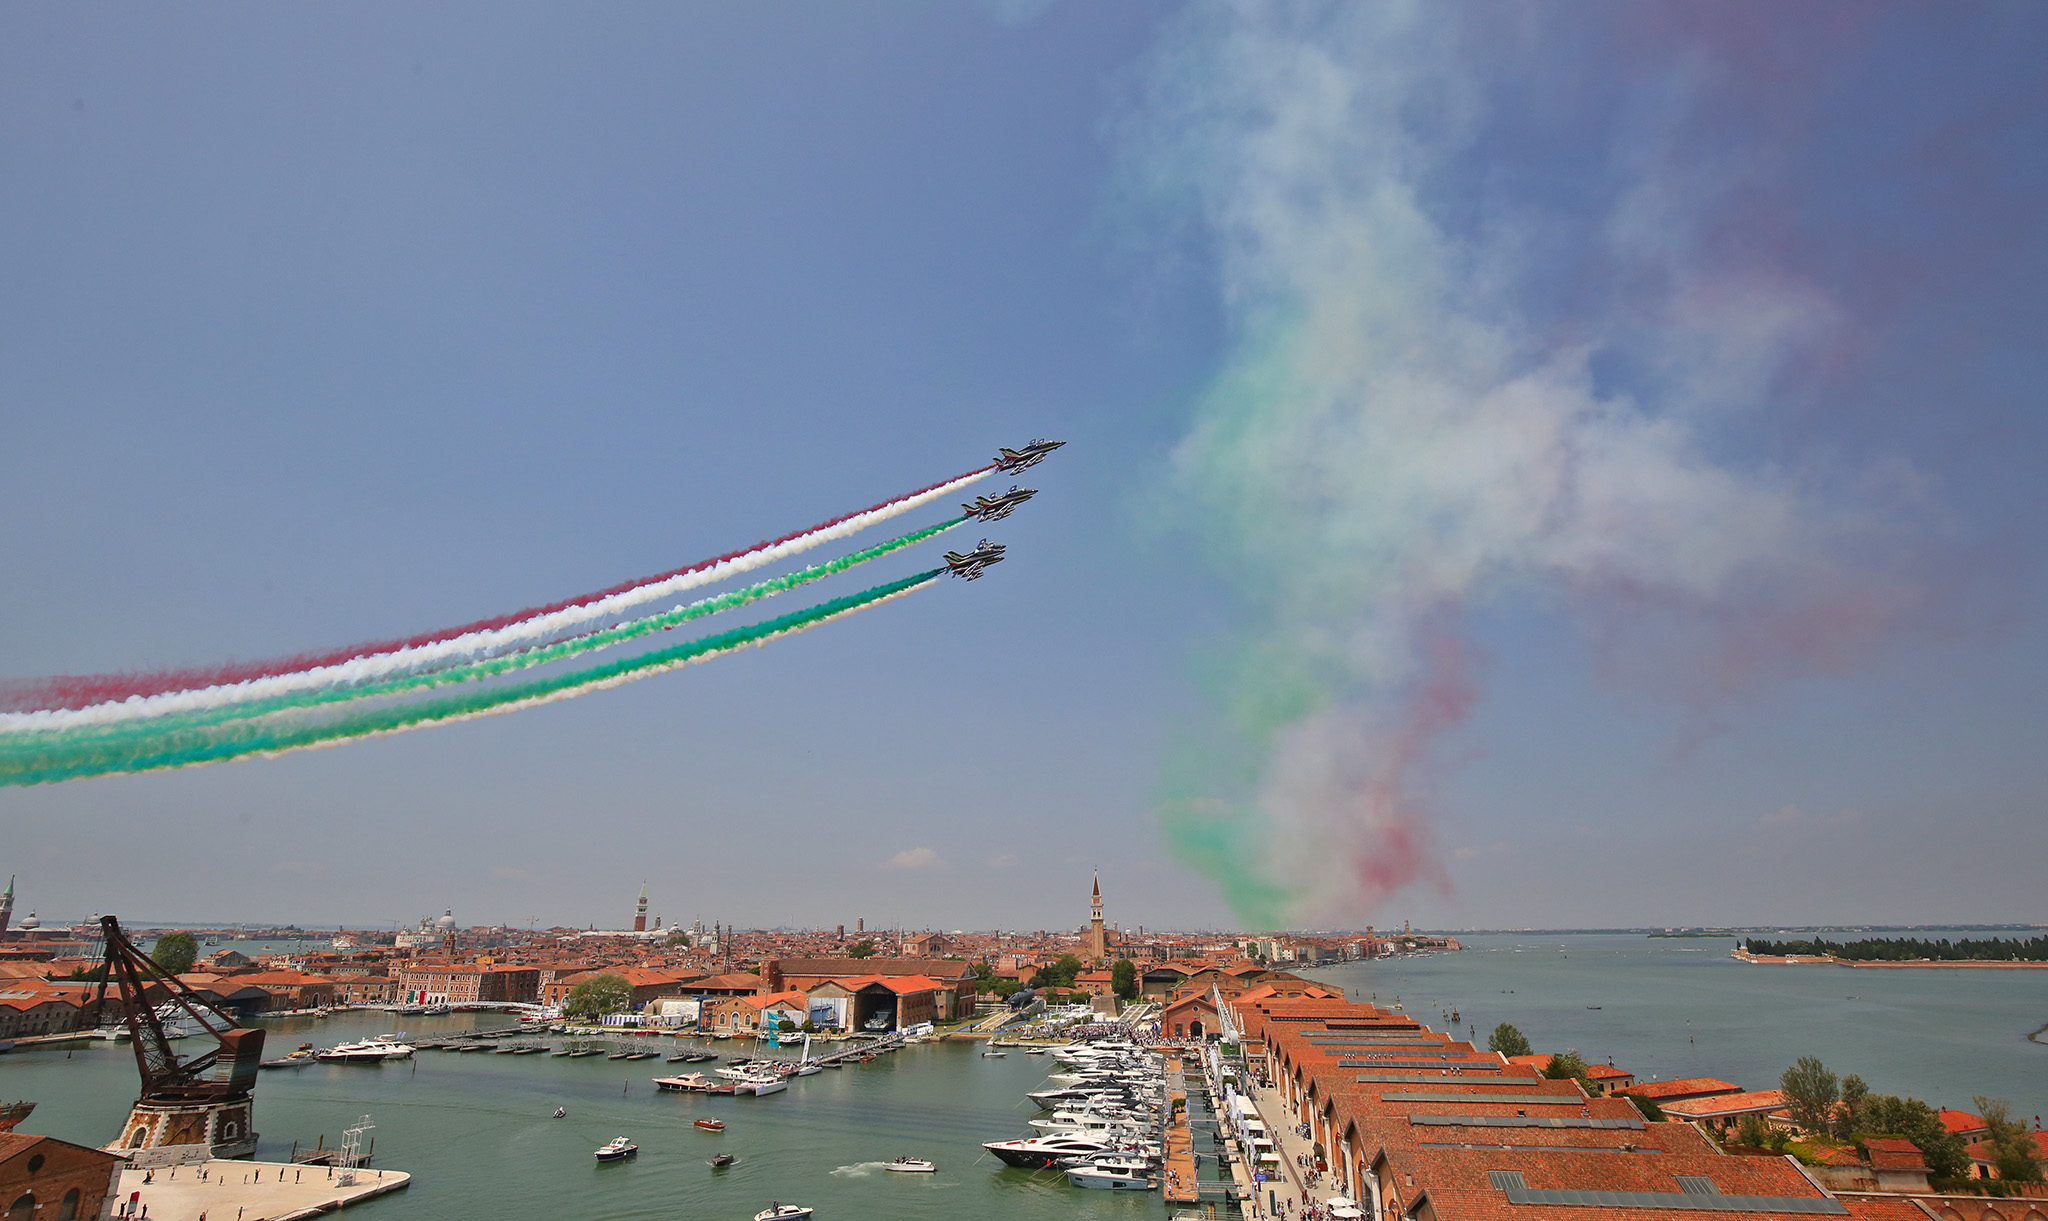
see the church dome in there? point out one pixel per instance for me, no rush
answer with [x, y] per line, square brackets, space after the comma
[29, 923]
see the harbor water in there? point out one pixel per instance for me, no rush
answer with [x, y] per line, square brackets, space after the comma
[474, 1128]
[1681, 1007]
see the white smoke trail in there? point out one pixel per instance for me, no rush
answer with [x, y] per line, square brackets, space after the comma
[469, 645]
[551, 697]
[1414, 419]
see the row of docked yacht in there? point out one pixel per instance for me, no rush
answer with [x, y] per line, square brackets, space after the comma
[1104, 1116]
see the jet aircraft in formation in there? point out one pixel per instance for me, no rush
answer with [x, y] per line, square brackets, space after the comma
[971, 565]
[1010, 461]
[996, 508]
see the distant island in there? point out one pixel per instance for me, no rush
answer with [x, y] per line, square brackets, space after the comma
[1900, 950]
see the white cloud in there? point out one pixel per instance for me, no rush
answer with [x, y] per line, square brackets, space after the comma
[914, 858]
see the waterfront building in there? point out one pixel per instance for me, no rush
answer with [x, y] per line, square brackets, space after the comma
[1722, 1112]
[32, 1007]
[46, 1179]
[444, 983]
[1432, 1128]
[951, 981]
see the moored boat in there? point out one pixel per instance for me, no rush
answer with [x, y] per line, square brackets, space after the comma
[1102, 1178]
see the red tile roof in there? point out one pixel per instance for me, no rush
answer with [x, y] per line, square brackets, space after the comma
[1687, 1087]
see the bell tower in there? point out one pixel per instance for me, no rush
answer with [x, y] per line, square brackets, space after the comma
[1098, 943]
[640, 909]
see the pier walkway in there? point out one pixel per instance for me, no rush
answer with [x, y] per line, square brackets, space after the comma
[225, 1189]
[1177, 1180]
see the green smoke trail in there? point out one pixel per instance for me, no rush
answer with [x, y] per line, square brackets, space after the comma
[32, 743]
[185, 748]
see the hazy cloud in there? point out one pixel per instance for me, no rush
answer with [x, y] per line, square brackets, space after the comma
[914, 858]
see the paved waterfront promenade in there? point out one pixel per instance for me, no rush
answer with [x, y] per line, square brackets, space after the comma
[247, 1191]
[1280, 1122]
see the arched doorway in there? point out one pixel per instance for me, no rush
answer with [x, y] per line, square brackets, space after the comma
[1195, 1029]
[23, 1209]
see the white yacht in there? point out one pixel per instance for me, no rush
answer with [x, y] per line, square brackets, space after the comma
[1102, 1178]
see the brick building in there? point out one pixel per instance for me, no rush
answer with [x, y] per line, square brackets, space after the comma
[46, 1179]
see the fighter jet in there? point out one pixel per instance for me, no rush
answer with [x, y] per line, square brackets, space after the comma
[996, 508]
[1010, 461]
[970, 566]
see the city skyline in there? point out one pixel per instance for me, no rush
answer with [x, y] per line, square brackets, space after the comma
[1574, 471]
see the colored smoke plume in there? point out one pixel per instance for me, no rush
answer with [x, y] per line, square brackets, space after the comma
[1465, 371]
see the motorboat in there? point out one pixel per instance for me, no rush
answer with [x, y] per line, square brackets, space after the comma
[1103, 1178]
[686, 1083]
[617, 1149]
[561, 1112]
[911, 1165]
[304, 1057]
[758, 1086]
[993, 1055]
[1038, 1152]
[782, 1212]
[365, 1051]
[722, 1160]
[711, 1124]
[1125, 1162]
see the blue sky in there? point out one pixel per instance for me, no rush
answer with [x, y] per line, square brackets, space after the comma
[327, 326]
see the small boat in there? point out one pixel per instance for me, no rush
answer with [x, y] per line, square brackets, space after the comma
[782, 1212]
[1104, 1179]
[641, 1055]
[700, 1057]
[1592, 1006]
[619, 1055]
[993, 1055]
[723, 1160]
[911, 1165]
[617, 1149]
[711, 1124]
[564, 1052]
[561, 1112]
[675, 1059]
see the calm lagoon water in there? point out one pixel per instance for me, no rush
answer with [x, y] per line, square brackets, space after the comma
[1671, 1007]
[474, 1129]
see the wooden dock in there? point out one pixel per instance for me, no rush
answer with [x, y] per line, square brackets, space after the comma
[1177, 1178]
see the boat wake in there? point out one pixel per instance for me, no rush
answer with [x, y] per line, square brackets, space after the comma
[860, 1170]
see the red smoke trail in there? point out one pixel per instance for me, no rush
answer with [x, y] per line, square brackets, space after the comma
[1439, 701]
[84, 690]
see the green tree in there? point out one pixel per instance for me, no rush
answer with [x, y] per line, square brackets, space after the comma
[1946, 1155]
[1065, 969]
[984, 971]
[1646, 1107]
[1811, 1092]
[1508, 1041]
[1855, 1101]
[1569, 1066]
[1005, 988]
[599, 995]
[2012, 1146]
[175, 952]
[861, 949]
[1751, 1130]
[1123, 979]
